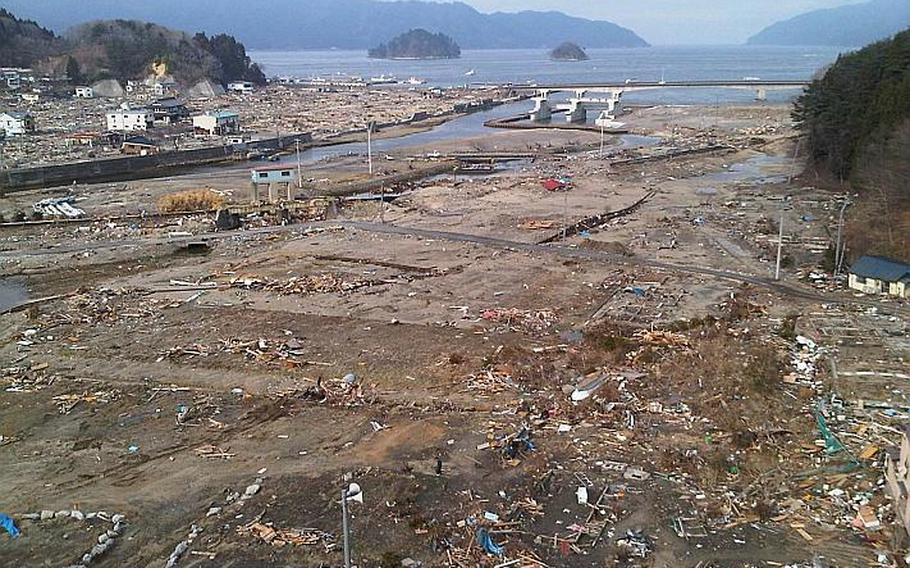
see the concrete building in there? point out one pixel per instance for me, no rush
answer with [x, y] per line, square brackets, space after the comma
[240, 87]
[85, 92]
[218, 123]
[130, 120]
[17, 123]
[272, 176]
[880, 275]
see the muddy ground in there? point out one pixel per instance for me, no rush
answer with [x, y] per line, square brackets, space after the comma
[431, 351]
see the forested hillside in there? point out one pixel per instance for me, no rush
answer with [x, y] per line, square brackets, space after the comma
[22, 42]
[857, 122]
[124, 49]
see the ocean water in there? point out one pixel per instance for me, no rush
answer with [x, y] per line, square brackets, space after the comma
[533, 66]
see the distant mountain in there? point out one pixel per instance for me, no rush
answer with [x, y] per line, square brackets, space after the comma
[343, 24]
[853, 25]
[418, 44]
[568, 51]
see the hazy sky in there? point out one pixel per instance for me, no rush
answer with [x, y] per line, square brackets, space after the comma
[675, 21]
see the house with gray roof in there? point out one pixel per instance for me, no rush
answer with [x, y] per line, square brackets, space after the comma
[880, 275]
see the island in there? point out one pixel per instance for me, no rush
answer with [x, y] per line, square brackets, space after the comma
[418, 44]
[568, 51]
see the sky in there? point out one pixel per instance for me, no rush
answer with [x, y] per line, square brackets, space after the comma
[660, 22]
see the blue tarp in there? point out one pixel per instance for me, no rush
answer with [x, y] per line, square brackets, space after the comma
[10, 525]
[486, 542]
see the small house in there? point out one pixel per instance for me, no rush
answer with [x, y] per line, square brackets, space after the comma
[139, 146]
[218, 123]
[17, 123]
[240, 87]
[130, 120]
[880, 275]
[85, 92]
[168, 110]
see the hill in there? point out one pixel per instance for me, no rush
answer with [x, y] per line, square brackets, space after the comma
[856, 119]
[23, 42]
[418, 44]
[568, 51]
[343, 24]
[853, 25]
[123, 50]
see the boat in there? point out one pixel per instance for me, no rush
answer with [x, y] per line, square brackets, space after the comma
[382, 80]
[470, 73]
[415, 81]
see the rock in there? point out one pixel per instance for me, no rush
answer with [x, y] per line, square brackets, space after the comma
[45, 515]
[213, 511]
[118, 518]
[350, 379]
[87, 558]
[411, 563]
[77, 515]
[31, 516]
[251, 490]
[61, 514]
[102, 538]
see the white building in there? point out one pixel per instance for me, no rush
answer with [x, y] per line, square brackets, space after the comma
[85, 92]
[16, 123]
[130, 120]
[880, 275]
[240, 87]
[216, 123]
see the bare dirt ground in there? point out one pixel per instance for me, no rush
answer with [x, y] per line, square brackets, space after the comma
[467, 379]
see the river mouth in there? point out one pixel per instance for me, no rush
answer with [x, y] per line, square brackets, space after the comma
[12, 293]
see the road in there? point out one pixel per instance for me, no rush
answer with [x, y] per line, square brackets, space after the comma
[785, 289]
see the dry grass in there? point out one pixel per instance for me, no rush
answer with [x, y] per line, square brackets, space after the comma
[191, 200]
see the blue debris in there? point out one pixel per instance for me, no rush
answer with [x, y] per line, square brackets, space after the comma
[486, 542]
[521, 442]
[9, 524]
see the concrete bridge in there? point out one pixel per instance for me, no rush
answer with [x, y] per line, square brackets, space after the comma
[610, 103]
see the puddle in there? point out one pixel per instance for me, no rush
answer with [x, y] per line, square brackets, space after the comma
[752, 170]
[12, 293]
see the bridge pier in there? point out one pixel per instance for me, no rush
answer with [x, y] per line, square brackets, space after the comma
[577, 112]
[542, 112]
[761, 94]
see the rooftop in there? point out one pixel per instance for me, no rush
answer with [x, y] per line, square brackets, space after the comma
[880, 268]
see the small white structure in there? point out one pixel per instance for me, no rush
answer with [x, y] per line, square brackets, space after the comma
[217, 123]
[17, 123]
[85, 92]
[130, 120]
[880, 275]
[31, 97]
[240, 87]
[270, 176]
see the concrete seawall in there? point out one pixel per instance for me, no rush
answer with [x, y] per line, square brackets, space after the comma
[132, 167]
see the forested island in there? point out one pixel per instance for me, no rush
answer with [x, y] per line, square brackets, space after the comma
[568, 51]
[856, 120]
[418, 44]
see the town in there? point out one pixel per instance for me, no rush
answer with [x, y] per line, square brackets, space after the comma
[448, 318]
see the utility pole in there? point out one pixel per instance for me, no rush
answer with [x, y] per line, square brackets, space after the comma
[344, 527]
[299, 169]
[839, 247]
[780, 246]
[370, 146]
